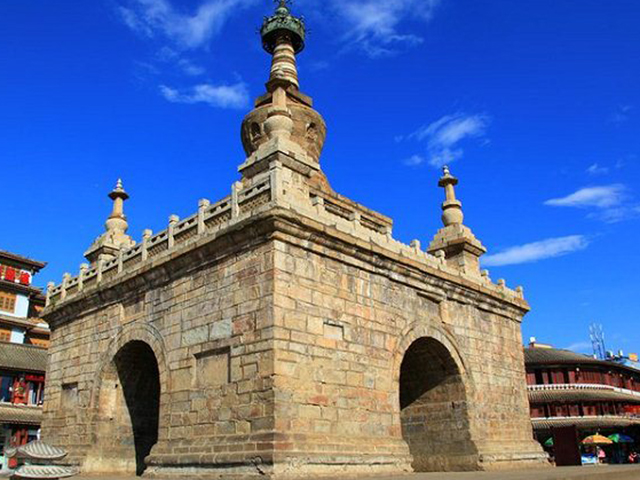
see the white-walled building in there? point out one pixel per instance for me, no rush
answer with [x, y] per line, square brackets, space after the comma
[24, 338]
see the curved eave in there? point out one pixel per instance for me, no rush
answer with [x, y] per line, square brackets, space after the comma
[581, 395]
[584, 422]
[20, 414]
[557, 358]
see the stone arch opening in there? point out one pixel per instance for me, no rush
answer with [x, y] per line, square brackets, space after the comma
[434, 414]
[128, 410]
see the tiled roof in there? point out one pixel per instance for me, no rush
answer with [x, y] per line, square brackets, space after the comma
[20, 414]
[584, 422]
[555, 356]
[20, 259]
[28, 358]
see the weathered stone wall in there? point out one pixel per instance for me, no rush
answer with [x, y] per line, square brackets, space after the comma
[343, 326]
[280, 332]
[210, 333]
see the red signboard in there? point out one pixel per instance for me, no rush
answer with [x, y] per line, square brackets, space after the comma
[632, 409]
[10, 274]
[34, 378]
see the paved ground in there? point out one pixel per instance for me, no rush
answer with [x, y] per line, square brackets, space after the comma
[614, 472]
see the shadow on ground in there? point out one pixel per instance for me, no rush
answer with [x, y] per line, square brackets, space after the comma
[613, 472]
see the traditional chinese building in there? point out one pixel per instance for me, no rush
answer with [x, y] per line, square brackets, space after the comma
[283, 331]
[23, 357]
[570, 389]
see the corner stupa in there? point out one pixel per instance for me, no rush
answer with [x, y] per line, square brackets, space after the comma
[462, 250]
[107, 245]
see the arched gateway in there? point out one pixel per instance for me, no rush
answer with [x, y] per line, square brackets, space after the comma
[434, 411]
[299, 336]
[126, 411]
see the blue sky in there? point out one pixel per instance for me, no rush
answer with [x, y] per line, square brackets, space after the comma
[535, 105]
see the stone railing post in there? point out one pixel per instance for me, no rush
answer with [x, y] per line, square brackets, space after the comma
[144, 250]
[120, 259]
[203, 203]
[99, 265]
[274, 181]
[65, 282]
[235, 208]
[50, 286]
[83, 271]
[173, 219]
[415, 244]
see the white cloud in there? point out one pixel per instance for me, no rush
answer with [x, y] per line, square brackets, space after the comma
[190, 68]
[606, 196]
[159, 18]
[621, 114]
[185, 65]
[532, 252]
[609, 203]
[617, 214]
[223, 96]
[595, 169]
[414, 160]
[374, 25]
[443, 137]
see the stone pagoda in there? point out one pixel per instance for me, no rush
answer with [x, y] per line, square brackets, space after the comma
[282, 331]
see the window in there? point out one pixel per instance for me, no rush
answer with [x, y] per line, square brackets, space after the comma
[6, 383]
[40, 342]
[5, 335]
[69, 395]
[7, 302]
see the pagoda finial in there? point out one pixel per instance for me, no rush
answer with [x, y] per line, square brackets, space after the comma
[451, 207]
[118, 195]
[283, 36]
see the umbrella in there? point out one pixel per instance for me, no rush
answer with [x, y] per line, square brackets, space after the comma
[620, 438]
[548, 442]
[596, 439]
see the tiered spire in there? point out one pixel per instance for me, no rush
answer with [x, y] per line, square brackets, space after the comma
[460, 246]
[117, 220]
[283, 37]
[283, 127]
[107, 245]
[451, 207]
